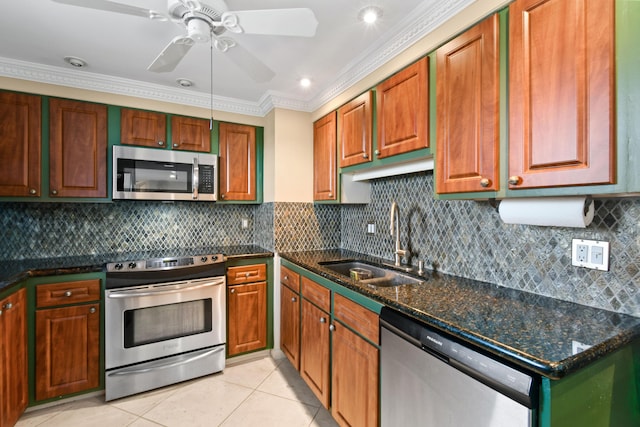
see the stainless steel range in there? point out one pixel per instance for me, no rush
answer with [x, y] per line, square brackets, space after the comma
[165, 322]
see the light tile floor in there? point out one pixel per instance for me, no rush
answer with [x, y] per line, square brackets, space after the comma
[263, 392]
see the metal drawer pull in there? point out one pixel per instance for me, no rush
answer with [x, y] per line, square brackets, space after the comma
[332, 328]
[7, 306]
[484, 182]
[323, 320]
[286, 277]
[67, 294]
[92, 310]
[233, 291]
[514, 180]
[294, 299]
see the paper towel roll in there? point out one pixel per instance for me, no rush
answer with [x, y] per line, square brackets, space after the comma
[549, 211]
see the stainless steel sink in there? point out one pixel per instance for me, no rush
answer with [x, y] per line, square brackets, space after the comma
[370, 275]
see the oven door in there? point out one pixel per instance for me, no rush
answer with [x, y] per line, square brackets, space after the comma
[154, 321]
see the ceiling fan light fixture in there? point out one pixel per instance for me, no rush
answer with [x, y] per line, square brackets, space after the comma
[184, 82]
[199, 30]
[75, 62]
[370, 14]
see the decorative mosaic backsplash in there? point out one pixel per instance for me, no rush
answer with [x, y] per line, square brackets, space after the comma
[49, 230]
[464, 238]
[467, 238]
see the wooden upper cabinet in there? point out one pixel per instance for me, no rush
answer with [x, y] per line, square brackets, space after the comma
[190, 134]
[402, 105]
[354, 130]
[145, 128]
[467, 98]
[324, 158]
[20, 144]
[77, 149]
[237, 162]
[561, 93]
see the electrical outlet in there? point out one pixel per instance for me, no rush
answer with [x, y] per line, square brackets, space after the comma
[371, 228]
[244, 223]
[592, 254]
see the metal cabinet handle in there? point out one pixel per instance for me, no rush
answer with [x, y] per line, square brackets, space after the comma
[484, 182]
[377, 152]
[161, 143]
[330, 194]
[247, 274]
[54, 192]
[32, 191]
[233, 291]
[7, 306]
[92, 310]
[0, 312]
[175, 144]
[68, 294]
[514, 180]
[286, 277]
[222, 196]
[323, 320]
[365, 156]
[332, 328]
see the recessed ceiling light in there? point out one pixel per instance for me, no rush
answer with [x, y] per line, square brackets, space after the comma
[184, 82]
[75, 62]
[370, 14]
[305, 82]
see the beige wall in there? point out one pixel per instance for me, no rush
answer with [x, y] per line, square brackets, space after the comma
[293, 165]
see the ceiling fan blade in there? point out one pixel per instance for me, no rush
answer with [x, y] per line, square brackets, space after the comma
[254, 67]
[110, 6]
[299, 22]
[171, 55]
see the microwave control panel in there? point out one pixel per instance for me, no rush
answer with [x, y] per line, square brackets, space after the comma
[205, 184]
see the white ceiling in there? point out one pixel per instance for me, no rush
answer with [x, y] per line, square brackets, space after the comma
[37, 34]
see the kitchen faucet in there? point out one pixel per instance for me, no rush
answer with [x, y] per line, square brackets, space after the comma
[395, 216]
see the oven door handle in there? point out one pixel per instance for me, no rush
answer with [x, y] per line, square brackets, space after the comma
[146, 292]
[135, 371]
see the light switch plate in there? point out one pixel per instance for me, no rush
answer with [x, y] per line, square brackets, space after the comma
[592, 254]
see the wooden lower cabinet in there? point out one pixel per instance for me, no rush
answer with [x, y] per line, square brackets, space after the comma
[354, 379]
[314, 350]
[290, 325]
[67, 350]
[247, 308]
[13, 358]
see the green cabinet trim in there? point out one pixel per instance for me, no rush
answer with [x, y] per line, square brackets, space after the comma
[31, 284]
[270, 292]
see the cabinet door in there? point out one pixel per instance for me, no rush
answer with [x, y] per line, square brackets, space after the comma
[468, 81]
[67, 350]
[561, 93]
[20, 144]
[290, 325]
[314, 351]
[354, 384]
[77, 149]
[324, 158]
[145, 128]
[237, 162]
[247, 308]
[402, 105]
[13, 358]
[354, 130]
[190, 134]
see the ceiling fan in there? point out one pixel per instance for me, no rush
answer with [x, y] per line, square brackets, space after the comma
[209, 23]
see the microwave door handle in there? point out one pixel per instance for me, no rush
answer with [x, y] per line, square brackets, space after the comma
[196, 177]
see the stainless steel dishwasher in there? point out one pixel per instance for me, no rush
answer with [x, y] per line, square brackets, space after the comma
[429, 379]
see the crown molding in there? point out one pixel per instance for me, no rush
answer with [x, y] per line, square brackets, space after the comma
[427, 17]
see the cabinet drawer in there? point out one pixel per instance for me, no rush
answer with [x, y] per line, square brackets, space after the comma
[317, 294]
[246, 274]
[290, 278]
[352, 314]
[67, 293]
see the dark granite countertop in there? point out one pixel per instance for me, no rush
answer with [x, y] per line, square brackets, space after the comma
[530, 330]
[14, 271]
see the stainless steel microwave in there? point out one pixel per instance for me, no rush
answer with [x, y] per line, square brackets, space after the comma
[160, 174]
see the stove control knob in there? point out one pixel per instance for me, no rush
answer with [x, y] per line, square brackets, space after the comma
[132, 265]
[118, 266]
[204, 259]
[214, 258]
